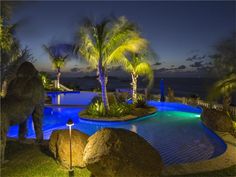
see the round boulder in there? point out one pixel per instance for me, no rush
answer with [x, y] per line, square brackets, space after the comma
[59, 145]
[114, 152]
[217, 120]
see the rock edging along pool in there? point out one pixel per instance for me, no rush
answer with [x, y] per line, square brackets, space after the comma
[176, 130]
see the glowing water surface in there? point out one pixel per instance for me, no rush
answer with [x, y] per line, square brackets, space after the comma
[175, 130]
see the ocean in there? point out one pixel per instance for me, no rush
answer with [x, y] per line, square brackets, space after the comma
[183, 87]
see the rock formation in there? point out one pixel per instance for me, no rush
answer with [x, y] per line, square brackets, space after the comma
[120, 153]
[217, 120]
[25, 97]
[59, 145]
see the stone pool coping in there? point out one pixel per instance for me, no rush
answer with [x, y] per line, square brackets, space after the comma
[225, 160]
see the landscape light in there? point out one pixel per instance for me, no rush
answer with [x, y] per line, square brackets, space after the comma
[70, 123]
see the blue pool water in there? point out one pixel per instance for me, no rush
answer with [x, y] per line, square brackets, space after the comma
[71, 98]
[175, 130]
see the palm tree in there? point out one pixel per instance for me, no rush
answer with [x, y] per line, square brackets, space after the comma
[58, 60]
[224, 88]
[138, 65]
[106, 43]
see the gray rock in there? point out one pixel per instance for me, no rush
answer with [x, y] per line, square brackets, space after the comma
[25, 97]
[59, 145]
[217, 120]
[121, 153]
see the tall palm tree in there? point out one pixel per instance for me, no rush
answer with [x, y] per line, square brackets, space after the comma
[138, 65]
[58, 60]
[224, 88]
[106, 43]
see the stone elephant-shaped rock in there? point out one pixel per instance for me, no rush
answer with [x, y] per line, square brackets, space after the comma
[25, 97]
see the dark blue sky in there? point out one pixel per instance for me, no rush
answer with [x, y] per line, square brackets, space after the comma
[176, 30]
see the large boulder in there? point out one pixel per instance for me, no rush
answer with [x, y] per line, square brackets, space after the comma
[59, 145]
[217, 120]
[121, 153]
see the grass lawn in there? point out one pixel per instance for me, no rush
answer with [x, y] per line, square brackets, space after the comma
[27, 160]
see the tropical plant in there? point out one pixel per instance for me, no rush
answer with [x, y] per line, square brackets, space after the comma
[12, 55]
[97, 108]
[171, 95]
[224, 62]
[225, 88]
[119, 109]
[58, 58]
[137, 65]
[45, 80]
[140, 102]
[224, 57]
[106, 43]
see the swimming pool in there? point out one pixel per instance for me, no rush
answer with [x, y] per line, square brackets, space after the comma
[179, 136]
[71, 98]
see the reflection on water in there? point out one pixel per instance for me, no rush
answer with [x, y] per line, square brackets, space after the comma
[72, 98]
[133, 128]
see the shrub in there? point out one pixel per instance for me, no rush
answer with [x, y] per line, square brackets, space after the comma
[171, 95]
[119, 109]
[122, 96]
[141, 102]
[96, 109]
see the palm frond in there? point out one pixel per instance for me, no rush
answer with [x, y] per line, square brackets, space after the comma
[86, 46]
[145, 69]
[132, 45]
[223, 87]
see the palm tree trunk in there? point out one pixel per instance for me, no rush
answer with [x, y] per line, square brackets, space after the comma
[134, 87]
[103, 82]
[58, 77]
[226, 102]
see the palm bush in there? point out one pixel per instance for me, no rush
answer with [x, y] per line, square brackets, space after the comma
[137, 65]
[225, 88]
[59, 55]
[107, 43]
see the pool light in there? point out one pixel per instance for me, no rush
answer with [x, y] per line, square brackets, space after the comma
[70, 123]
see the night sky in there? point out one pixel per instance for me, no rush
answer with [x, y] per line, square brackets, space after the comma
[179, 32]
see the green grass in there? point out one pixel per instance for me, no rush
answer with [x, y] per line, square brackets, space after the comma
[33, 161]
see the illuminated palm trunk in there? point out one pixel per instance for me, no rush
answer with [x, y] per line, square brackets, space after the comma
[103, 82]
[58, 77]
[134, 87]
[226, 102]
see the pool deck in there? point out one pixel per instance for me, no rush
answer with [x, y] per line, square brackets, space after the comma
[227, 159]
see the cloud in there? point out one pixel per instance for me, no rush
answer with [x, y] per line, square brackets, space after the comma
[162, 69]
[75, 69]
[157, 64]
[181, 67]
[197, 64]
[204, 69]
[195, 57]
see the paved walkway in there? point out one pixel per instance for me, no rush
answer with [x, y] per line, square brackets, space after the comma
[227, 159]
